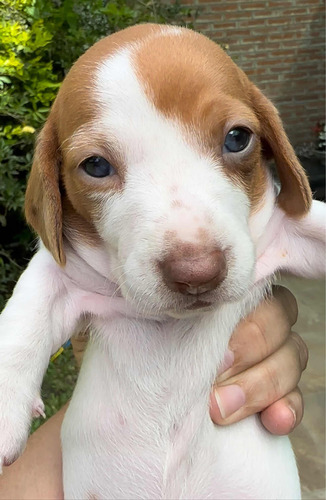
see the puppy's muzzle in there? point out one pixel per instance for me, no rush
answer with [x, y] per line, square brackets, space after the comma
[193, 270]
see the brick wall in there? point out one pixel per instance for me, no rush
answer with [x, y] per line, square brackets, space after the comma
[280, 45]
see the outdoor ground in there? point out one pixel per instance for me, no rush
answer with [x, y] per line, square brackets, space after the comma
[309, 438]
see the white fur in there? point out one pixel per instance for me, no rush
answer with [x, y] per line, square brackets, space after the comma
[138, 425]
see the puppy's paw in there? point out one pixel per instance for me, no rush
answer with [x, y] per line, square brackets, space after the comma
[15, 419]
[12, 445]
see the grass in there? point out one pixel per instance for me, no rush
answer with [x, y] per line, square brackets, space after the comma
[58, 385]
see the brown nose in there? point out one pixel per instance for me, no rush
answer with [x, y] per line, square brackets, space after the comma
[195, 272]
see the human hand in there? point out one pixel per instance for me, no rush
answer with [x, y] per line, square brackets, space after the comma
[263, 367]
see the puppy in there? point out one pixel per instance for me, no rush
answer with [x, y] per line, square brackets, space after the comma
[161, 227]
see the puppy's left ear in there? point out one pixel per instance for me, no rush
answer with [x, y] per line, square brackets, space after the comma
[295, 196]
[294, 239]
[294, 245]
[43, 205]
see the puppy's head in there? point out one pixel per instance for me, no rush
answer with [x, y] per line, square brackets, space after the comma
[155, 150]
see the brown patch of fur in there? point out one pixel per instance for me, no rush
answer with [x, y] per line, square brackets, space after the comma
[47, 208]
[43, 207]
[295, 196]
[77, 228]
[196, 83]
[187, 76]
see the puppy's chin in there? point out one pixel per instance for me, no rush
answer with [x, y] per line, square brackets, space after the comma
[163, 303]
[179, 309]
[189, 313]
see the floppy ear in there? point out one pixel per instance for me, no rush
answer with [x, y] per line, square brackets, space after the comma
[295, 195]
[294, 245]
[43, 207]
[294, 238]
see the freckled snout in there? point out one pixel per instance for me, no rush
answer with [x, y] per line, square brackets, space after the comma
[192, 270]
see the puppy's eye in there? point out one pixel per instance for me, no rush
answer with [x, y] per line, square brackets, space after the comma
[96, 166]
[237, 140]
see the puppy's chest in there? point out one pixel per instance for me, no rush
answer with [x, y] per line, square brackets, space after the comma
[155, 362]
[144, 396]
[143, 393]
[155, 374]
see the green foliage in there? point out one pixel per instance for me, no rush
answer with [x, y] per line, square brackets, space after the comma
[58, 385]
[39, 41]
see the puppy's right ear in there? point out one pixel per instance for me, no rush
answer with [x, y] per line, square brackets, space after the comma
[43, 204]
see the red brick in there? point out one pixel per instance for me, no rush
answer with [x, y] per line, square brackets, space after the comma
[269, 78]
[276, 4]
[294, 11]
[225, 7]
[239, 15]
[315, 10]
[253, 23]
[282, 36]
[254, 39]
[267, 62]
[306, 18]
[310, 2]
[253, 5]
[241, 33]
[282, 53]
[224, 26]
[207, 16]
[278, 21]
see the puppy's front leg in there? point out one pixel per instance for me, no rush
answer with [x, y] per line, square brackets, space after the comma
[38, 318]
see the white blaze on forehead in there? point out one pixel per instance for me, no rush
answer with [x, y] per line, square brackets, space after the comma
[130, 117]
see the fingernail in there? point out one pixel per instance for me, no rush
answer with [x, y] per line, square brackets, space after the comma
[227, 361]
[294, 417]
[229, 399]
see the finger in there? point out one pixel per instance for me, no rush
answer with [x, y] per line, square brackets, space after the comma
[284, 415]
[258, 387]
[261, 333]
[288, 300]
[301, 348]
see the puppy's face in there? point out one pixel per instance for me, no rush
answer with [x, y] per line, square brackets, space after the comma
[155, 148]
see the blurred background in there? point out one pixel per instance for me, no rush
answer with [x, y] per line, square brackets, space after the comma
[279, 44]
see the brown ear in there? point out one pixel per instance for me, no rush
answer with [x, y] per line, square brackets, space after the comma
[295, 196]
[43, 208]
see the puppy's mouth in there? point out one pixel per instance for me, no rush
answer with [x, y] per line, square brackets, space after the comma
[198, 304]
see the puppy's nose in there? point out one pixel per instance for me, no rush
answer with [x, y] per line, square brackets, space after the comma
[194, 272]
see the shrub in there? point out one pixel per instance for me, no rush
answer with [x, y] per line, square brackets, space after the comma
[39, 40]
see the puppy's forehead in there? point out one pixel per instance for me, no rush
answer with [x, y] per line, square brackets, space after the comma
[183, 74]
[76, 102]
